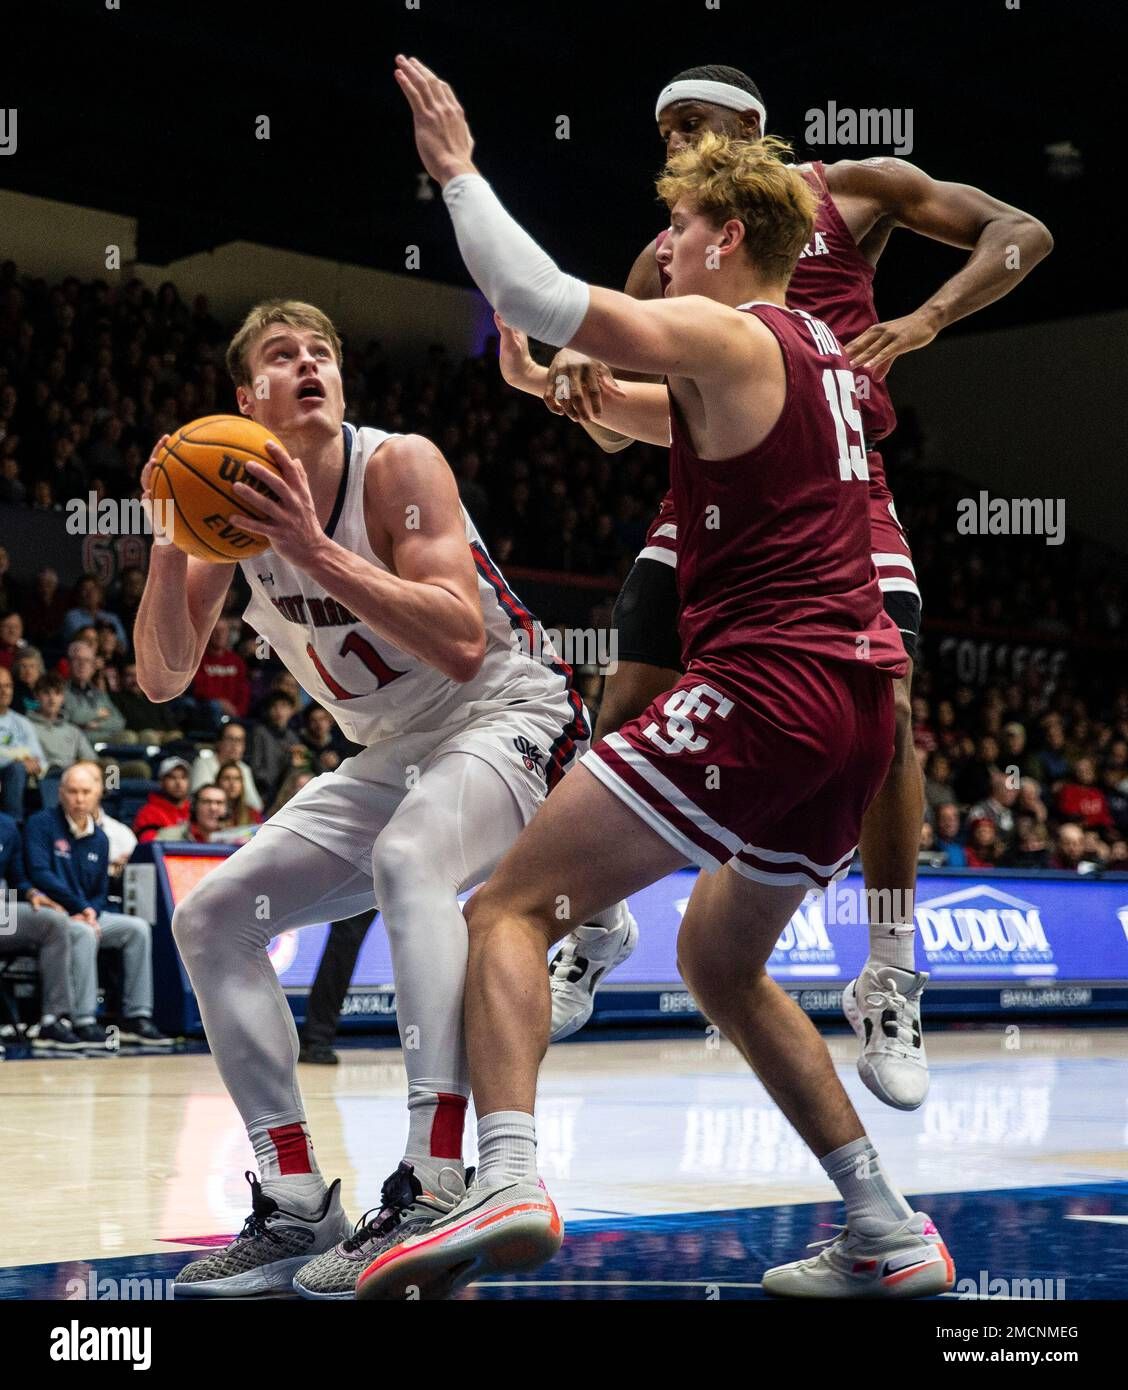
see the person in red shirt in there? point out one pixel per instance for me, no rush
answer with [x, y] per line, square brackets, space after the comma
[208, 814]
[169, 806]
[983, 849]
[222, 678]
[1081, 800]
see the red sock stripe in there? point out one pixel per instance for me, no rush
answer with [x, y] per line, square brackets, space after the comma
[447, 1126]
[291, 1144]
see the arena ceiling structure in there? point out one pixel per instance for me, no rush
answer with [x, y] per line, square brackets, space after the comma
[153, 111]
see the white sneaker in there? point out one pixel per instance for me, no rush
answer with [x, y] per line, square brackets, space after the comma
[266, 1254]
[883, 1008]
[910, 1261]
[586, 956]
[501, 1228]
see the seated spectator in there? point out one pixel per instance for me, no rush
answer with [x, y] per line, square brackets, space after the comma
[1081, 800]
[293, 783]
[111, 657]
[122, 840]
[45, 608]
[973, 780]
[948, 835]
[324, 739]
[923, 737]
[169, 805]
[268, 752]
[68, 859]
[26, 670]
[1116, 796]
[42, 926]
[221, 687]
[998, 808]
[1052, 759]
[1030, 801]
[1096, 851]
[1032, 850]
[938, 780]
[229, 748]
[984, 848]
[1014, 751]
[89, 610]
[208, 814]
[239, 811]
[145, 720]
[63, 743]
[1118, 857]
[85, 704]
[1069, 849]
[21, 755]
[12, 640]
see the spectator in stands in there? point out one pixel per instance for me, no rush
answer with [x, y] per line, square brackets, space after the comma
[111, 657]
[984, 848]
[145, 721]
[68, 859]
[230, 748]
[130, 587]
[927, 838]
[1033, 847]
[268, 753]
[63, 743]
[938, 780]
[973, 780]
[1118, 857]
[948, 835]
[12, 640]
[239, 810]
[39, 924]
[1081, 800]
[1069, 848]
[923, 737]
[1116, 798]
[21, 755]
[221, 687]
[998, 808]
[89, 609]
[208, 814]
[1096, 851]
[1030, 801]
[45, 608]
[322, 737]
[295, 780]
[1053, 762]
[13, 489]
[86, 704]
[169, 805]
[26, 670]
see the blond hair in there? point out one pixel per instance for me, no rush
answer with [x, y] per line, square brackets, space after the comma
[722, 178]
[292, 312]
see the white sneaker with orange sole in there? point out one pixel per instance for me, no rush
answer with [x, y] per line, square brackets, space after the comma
[909, 1261]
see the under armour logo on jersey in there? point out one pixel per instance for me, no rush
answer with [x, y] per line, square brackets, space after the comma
[266, 578]
[682, 707]
[530, 754]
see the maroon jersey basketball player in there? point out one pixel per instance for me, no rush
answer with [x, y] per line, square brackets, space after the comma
[860, 204]
[759, 762]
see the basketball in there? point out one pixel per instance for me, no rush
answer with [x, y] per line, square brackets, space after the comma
[196, 473]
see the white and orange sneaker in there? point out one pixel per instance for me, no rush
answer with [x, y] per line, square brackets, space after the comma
[910, 1261]
[502, 1228]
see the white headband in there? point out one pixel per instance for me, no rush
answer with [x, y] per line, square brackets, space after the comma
[719, 93]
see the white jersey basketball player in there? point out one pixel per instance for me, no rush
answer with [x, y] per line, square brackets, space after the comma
[379, 596]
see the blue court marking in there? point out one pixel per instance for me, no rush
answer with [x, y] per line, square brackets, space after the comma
[1027, 1238]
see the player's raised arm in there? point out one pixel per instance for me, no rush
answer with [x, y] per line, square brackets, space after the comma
[1005, 244]
[687, 336]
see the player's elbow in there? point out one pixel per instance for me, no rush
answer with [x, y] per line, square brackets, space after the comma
[464, 659]
[160, 686]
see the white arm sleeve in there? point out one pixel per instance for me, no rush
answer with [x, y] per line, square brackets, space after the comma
[522, 282]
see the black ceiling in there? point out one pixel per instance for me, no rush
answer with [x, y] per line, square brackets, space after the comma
[150, 110]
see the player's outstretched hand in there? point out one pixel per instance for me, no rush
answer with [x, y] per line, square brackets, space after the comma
[442, 136]
[576, 384]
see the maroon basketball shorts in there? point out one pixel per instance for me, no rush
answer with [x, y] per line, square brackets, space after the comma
[767, 766]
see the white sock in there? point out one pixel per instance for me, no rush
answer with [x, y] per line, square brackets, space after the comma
[507, 1147]
[891, 943]
[609, 918]
[856, 1171]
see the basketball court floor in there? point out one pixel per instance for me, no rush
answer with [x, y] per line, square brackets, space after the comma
[675, 1174]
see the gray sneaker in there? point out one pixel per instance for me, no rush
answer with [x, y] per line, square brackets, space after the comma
[264, 1256]
[405, 1209]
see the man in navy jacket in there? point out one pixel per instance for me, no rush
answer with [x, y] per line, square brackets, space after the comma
[68, 858]
[31, 921]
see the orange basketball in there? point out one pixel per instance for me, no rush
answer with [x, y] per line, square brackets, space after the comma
[195, 472]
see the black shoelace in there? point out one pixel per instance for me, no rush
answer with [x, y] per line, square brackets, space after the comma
[397, 1194]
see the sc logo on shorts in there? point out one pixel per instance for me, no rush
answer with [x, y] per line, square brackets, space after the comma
[682, 707]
